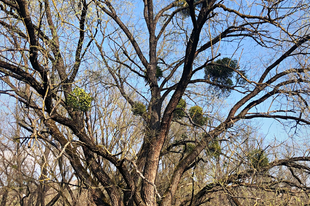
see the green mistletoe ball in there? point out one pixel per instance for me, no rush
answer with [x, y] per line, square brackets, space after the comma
[79, 100]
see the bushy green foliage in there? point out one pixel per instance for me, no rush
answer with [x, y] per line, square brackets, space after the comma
[79, 100]
[258, 158]
[222, 73]
[183, 4]
[138, 109]
[179, 110]
[196, 113]
[214, 149]
[159, 74]
[189, 147]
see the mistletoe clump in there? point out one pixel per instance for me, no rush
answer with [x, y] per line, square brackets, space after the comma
[197, 116]
[79, 100]
[183, 4]
[189, 147]
[179, 110]
[258, 158]
[138, 109]
[222, 72]
[214, 149]
[159, 74]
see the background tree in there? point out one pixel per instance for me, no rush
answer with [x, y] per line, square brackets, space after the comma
[100, 83]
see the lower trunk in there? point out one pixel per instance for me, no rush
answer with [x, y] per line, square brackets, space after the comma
[150, 172]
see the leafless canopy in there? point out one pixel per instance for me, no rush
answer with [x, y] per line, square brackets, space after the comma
[98, 83]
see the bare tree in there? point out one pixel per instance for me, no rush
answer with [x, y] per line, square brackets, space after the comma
[172, 62]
